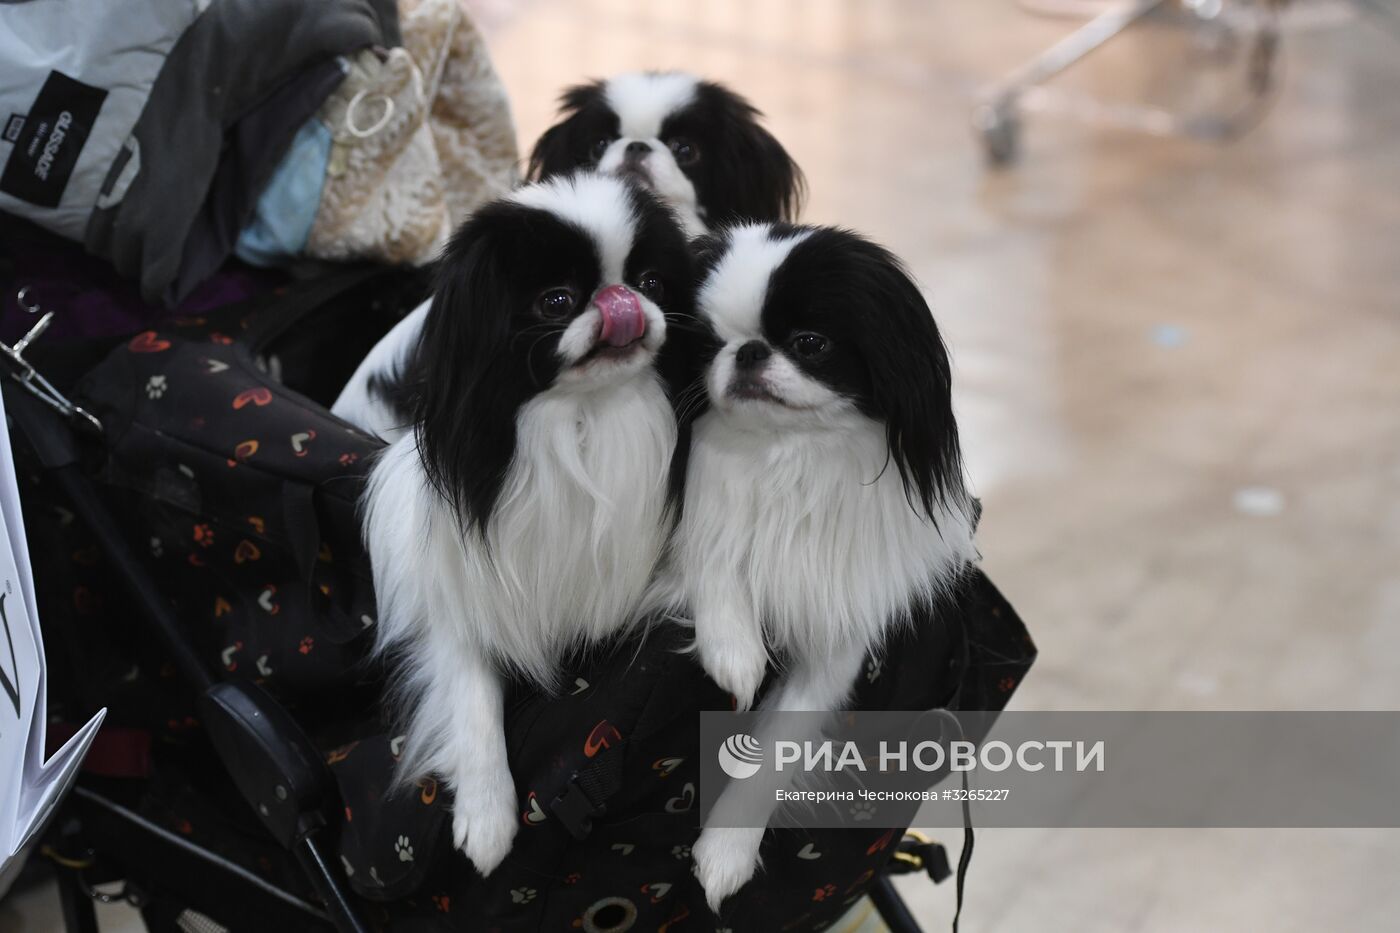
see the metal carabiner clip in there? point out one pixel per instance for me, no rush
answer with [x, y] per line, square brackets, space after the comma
[23, 372]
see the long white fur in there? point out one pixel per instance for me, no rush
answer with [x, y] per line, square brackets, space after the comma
[564, 560]
[805, 537]
[797, 537]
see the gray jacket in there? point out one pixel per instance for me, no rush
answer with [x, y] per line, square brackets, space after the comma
[122, 119]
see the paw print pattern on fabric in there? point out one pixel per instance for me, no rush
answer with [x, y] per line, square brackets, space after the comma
[872, 670]
[308, 643]
[862, 811]
[404, 849]
[680, 852]
[155, 387]
[522, 895]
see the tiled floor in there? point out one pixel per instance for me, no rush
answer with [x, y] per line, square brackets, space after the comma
[1149, 336]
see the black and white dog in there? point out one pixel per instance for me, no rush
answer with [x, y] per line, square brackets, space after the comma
[696, 145]
[525, 513]
[824, 502]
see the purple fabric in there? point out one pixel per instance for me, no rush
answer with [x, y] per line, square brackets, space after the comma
[91, 299]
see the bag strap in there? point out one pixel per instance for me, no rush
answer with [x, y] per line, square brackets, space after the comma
[965, 857]
[585, 797]
[350, 595]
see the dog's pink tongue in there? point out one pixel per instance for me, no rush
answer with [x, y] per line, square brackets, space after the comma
[623, 319]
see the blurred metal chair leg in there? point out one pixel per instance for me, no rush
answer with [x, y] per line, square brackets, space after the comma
[996, 118]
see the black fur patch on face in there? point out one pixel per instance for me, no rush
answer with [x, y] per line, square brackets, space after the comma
[743, 172]
[883, 349]
[660, 247]
[573, 142]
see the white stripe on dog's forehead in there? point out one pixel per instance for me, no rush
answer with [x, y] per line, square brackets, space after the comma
[643, 101]
[600, 205]
[732, 296]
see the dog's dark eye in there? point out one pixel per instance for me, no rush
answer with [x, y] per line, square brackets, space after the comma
[555, 302]
[648, 284]
[684, 151]
[600, 146]
[810, 346]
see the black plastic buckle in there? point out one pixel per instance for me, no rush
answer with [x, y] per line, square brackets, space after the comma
[575, 811]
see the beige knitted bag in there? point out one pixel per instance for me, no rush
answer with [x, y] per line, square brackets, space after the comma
[421, 136]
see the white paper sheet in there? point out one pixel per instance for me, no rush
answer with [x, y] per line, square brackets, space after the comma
[30, 787]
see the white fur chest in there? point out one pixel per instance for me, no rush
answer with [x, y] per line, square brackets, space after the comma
[574, 537]
[810, 533]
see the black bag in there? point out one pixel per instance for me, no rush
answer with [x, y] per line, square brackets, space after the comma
[242, 491]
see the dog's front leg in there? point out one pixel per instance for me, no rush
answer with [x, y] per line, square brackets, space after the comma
[474, 759]
[729, 641]
[726, 857]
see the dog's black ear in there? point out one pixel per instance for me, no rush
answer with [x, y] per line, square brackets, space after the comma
[694, 338]
[551, 153]
[766, 183]
[690, 346]
[557, 151]
[465, 396]
[911, 384]
[707, 250]
[774, 187]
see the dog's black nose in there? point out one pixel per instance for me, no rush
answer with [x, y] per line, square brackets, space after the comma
[636, 149]
[751, 354]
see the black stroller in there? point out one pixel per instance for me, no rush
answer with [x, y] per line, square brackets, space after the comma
[200, 573]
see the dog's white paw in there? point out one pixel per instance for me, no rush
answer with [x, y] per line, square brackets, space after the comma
[725, 859]
[484, 830]
[738, 670]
